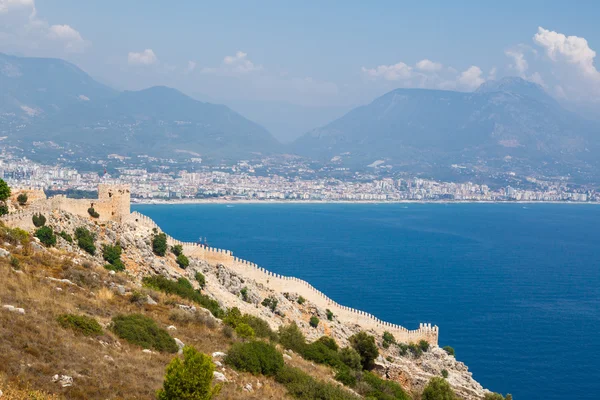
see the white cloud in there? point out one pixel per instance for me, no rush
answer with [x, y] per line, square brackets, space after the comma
[429, 66]
[10, 5]
[69, 36]
[240, 63]
[471, 77]
[572, 49]
[146, 57]
[399, 71]
[520, 64]
[191, 66]
[492, 74]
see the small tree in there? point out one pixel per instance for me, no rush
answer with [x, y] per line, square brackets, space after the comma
[314, 321]
[301, 300]
[22, 199]
[329, 314]
[270, 302]
[244, 331]
[190, 379]
[365, 345]
[351, 358]
[159, 244]
[177, 249]
[93, 213]
[38, 220]
[112, 255]
[449, 350]
[46, 236]
[388, 339]
[438, 389]
[200, 279]
[4, 190]
[85, 240]
[244, 293]
[183, 261]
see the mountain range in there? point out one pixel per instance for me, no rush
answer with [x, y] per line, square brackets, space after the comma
[50, 108]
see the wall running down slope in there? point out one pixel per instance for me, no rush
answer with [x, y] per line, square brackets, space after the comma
[113, 204]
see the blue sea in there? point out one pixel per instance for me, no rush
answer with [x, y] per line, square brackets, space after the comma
[514, 288]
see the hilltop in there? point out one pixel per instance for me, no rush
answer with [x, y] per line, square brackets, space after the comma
[51, 108]
[200, 299]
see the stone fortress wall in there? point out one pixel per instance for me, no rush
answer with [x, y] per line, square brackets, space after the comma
[113, 204]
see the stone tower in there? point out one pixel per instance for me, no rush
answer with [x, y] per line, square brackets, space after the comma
[118, 199]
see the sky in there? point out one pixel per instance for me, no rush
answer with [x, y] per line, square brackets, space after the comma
[313, 53]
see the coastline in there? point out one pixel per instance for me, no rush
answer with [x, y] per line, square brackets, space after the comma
[248, 201]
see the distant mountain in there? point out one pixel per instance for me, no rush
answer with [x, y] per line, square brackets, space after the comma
[507, 124]
[53, 102]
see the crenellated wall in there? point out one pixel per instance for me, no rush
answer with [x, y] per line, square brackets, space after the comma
[289, 284]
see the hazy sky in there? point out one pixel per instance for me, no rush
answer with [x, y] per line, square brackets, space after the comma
[313, 52]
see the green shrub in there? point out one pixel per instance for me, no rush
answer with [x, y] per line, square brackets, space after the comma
[301, 300]
[329, 314]
[190, 379]
[322, 351]
[14, 262]
[255, 357]
[244, 331]
[415, 349]
[85, 240]
[22, 199]
[424, 345]
[38, 220]
[270, 302]
[112, 254]
[445, 373]
[497, 396]
[304, 387]
[200, 279]
[449, 350]
[388, 339]
[93, 212]
[183, 288]
[3, 209]
[46, 236]
[291, 337]
[350, 358]
[346, 376]
[177, 249]
[144, 332]
[438, 389]
[402, 349]
[382, 389]
[314, 321]
[365, 345]
[80, 323]
[233, 317]
[4, 190]
[182, 261]
[66, 236]
[159, 244]
[244, 294]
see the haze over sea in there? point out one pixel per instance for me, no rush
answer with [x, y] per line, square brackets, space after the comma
[514, 288]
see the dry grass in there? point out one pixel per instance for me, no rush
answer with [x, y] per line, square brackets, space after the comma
[33, 347]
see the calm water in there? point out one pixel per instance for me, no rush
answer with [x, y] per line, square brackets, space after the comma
[514, 289]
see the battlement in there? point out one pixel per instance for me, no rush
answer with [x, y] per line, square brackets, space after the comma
[291, 284]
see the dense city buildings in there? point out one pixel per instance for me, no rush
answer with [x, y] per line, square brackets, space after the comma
[243, 182]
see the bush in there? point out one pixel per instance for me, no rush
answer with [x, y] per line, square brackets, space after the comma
[4, 190]
[322, 351]
[438, 389]
[80, 323]
[350, 358]
[244, 331]
[144, 332]
[346, 376]
[183, 288]
[93, 213]
[244, 294]
[66, 236]
[382, 389]
[112, 254]
[415, 350]
[85, 240]
[46, 236]
[270, 302]
[22, 199]
[301, 300]
[233, 317]
[182, 261]
[3, 209]
[15, 263]
[291, 337]
[190, 379]
[497, 396]
[38, 220]
[445, 373]
[365, 345]
[388, 339]
[423, 345]
[449, 350]
[200, 279]
[303, 386]
[314, 321]
[255, 357]
[159, 244]
[177, 249]
[329, 314]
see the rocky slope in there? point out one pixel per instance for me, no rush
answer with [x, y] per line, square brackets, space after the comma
[226, 286]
